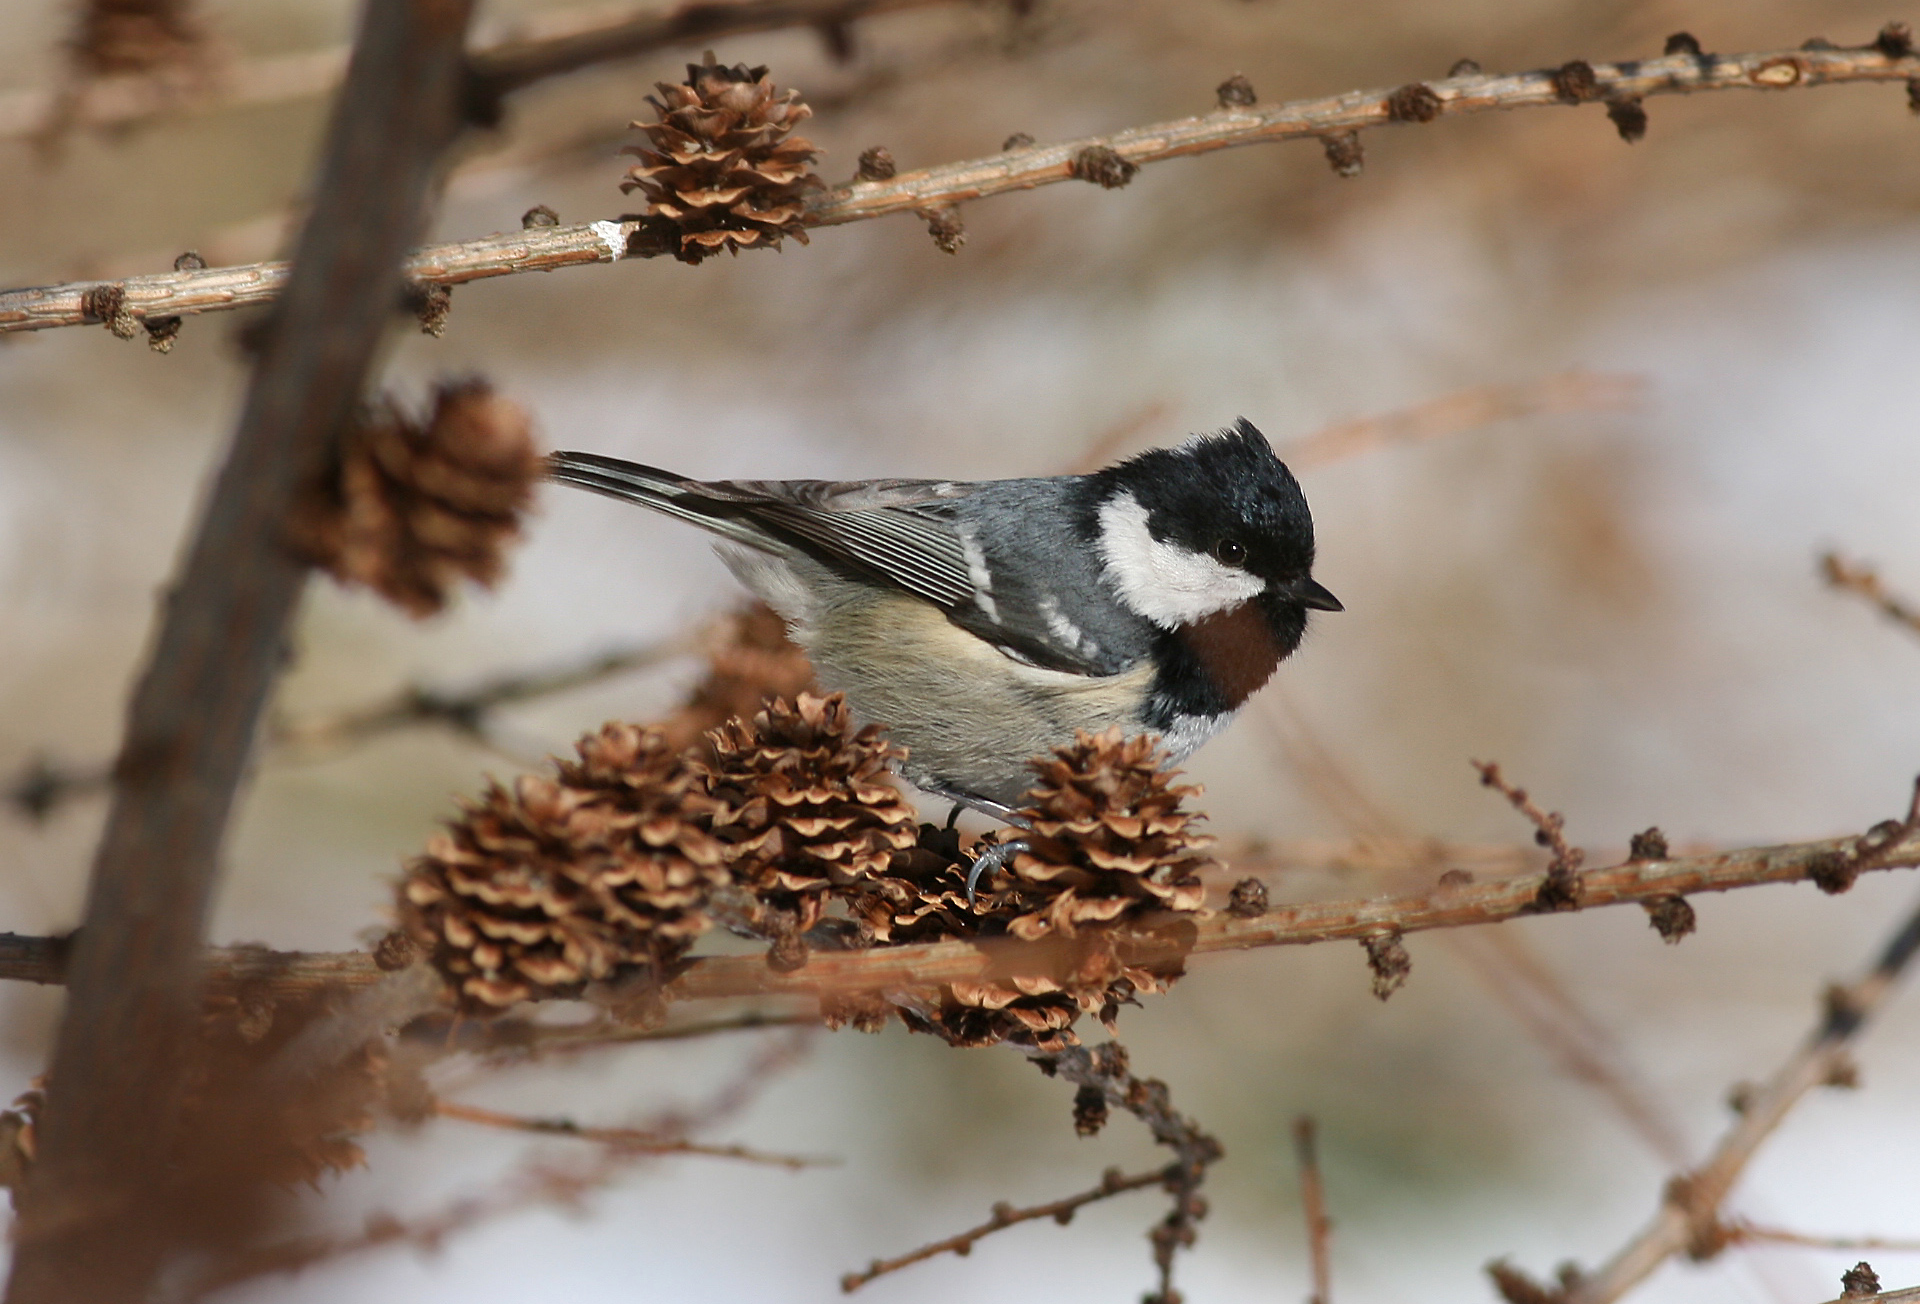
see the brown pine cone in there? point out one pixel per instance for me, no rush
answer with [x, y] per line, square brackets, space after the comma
[409, 508]
[806, 804]
[750, 661]
[536, 892]
[117, 37]
[1111, 839]
[722, 167]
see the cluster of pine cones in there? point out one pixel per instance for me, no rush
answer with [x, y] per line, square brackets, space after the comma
[790, 828]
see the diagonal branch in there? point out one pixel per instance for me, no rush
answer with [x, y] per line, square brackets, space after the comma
[93, 1216]
[1863, 580]
[1113, 1182]
[1688, 1219]
[541, 249]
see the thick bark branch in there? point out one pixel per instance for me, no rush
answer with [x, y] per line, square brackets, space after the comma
[932, 189]
[93, 1215]
[39, 959]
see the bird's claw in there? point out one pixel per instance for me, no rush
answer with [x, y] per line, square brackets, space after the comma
[990, 860]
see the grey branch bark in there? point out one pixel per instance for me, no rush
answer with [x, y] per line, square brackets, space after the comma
[92, 1219]
[933, 189]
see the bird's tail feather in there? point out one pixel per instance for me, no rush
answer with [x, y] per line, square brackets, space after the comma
[663, 491]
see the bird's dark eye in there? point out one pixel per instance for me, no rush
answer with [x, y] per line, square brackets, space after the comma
[1229, 552]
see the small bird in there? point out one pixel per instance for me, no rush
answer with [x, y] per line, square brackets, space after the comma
[985, 623]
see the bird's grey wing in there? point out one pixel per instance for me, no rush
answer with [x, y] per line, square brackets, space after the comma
[903, 532]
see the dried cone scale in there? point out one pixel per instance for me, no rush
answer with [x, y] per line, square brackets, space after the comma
[806, 804]
[411, 508]
[722, 167]
[538, 891]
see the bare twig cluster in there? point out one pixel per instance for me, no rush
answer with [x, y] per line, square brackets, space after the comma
[1561, 891]
[936, 193]
[1690, 1220]
[1863, 580]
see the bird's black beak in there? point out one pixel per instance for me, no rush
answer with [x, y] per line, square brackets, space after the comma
[1315, 596]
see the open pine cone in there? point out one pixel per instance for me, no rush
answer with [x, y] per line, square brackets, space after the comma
[410, 508]
[722, 167]
[539, 891]
[806, 804]
[1110, 839]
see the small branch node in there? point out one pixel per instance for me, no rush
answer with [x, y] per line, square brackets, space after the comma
[948, 231]
[1671, 916]
[1388, 959]
[432, 304]
[876, 164]
[1562, 888]
[190, 261]
[1629, 117]
[1248, 899]
[1860, 1281]
[1236, 92]
[1575, 82]
[1103, 166]
[538, 216]
[1018, 140]
[1414, 102]
[107, 304]
[1649, 844]
[161, 332]
[1464, 68]
[1683, 43]
[1895, 41]
[1345, 155]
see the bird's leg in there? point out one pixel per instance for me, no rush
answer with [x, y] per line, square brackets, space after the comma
[995, 856]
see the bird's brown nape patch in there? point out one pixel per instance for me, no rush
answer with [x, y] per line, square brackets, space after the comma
[1236, 649]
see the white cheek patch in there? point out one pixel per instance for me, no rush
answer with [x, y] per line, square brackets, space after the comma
[1163, 581]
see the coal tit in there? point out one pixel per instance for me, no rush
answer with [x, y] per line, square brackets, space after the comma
[985, 623]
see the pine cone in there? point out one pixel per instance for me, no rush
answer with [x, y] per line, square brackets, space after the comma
[1110, 839]
[723, 169]
[806, 804]
[749, 663]
[137, 36]
[536, 892]
[410, 508]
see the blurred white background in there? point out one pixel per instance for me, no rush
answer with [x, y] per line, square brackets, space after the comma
[1620, 606]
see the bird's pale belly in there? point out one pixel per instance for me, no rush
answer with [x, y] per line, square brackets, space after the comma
[969, 716]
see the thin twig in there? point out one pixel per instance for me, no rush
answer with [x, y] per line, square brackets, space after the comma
[1157, 940]
[42, 787]
[1503, 960]
[1112, 1183]
[550, 45]
[1104, 1072]
[630, 1139]
[95, 1212]
[466, 712]
[1688, 1218]
[1562, 888]
[1468, 409]
[547, 248]
[1856, 577]
[1739, 1231]
[537, 1181]
[1313, 1203]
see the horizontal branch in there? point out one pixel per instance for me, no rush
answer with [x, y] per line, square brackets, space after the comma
[550, 45]
[1161, 940]
[543, 249]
